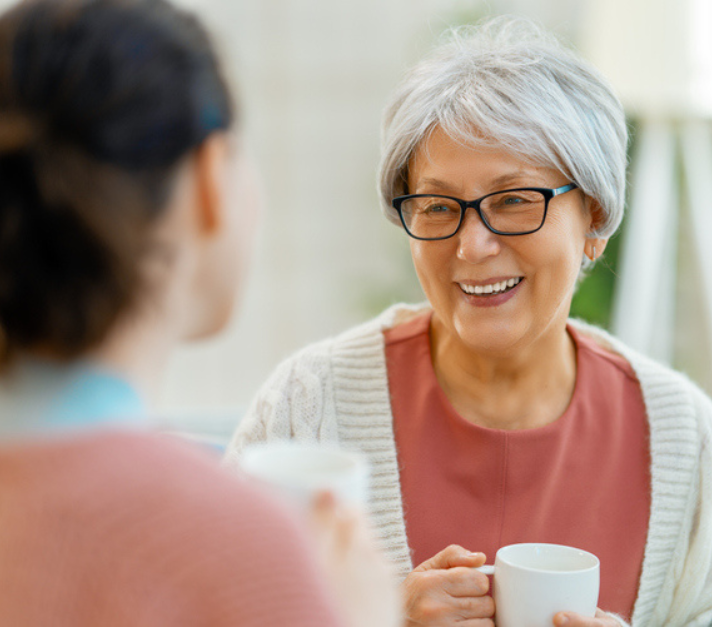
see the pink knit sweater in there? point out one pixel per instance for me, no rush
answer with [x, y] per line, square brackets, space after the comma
[111, 529]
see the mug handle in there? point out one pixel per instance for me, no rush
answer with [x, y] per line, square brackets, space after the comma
[487, 569]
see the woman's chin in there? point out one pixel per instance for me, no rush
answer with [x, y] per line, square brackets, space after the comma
[490, 336]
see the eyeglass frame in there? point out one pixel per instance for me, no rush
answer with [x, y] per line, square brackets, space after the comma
[548, 194]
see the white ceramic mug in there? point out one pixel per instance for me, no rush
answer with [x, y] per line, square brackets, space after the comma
[532, 582]
[299, 471]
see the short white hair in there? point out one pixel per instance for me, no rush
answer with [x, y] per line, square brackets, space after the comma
[508, 83]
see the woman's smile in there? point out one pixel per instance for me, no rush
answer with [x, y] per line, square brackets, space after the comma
[490, 293]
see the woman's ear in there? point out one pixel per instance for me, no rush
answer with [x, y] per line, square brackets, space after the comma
[595, 213]
[594, 246]
[210, 163]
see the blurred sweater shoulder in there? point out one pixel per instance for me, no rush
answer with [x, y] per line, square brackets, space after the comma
[119, 528]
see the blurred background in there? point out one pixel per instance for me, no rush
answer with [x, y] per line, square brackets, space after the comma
[314, 76]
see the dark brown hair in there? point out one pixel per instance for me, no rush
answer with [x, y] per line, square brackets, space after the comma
[99, 101]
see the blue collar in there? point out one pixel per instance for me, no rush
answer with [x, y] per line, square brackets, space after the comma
[42, 397]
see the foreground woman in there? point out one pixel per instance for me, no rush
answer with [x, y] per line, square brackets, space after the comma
[490, 417]
[126, 213]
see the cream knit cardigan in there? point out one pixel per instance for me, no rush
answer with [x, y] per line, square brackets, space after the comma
[336, 391]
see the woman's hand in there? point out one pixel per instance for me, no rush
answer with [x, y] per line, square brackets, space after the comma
[362, 582]
[446, 590]
[571, 619]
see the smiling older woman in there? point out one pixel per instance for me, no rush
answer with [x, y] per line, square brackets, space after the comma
[489, 416]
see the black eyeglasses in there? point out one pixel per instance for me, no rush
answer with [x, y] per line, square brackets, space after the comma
[510, 212]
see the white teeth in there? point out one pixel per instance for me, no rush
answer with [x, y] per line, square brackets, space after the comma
[493, 288]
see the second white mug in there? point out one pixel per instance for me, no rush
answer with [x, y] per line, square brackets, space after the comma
[298, 471]
[533, 582]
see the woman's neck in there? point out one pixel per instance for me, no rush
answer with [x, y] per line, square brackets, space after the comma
[138, 349]
[142, 340]
[524, 390]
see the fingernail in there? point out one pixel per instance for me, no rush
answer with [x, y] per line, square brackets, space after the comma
[476, 554]
[562, 619]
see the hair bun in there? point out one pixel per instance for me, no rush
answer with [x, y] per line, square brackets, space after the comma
[17, 131]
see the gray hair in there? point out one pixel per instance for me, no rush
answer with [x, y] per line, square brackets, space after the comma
[508, 83]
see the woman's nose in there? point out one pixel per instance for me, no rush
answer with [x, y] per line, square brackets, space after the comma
[475, 241]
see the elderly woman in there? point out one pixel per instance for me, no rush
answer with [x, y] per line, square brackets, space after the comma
[490, 417]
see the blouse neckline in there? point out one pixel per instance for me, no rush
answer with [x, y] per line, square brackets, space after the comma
[420, 326]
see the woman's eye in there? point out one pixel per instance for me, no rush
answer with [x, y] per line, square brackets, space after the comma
[513, 200]
[438, 209]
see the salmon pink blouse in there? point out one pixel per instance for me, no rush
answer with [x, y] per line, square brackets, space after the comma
[583, 480]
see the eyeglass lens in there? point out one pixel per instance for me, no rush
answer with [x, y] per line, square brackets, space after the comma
[432, 217]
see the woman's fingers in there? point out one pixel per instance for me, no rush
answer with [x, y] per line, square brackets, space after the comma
[475, 606]
[356, 570]
[435, 610]
[446, 590]
[452, 556]
[465, 582]
[571, 619]
[324, 510]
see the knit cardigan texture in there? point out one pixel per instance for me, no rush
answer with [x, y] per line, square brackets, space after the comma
[336, 391]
